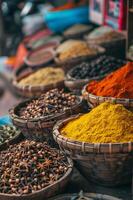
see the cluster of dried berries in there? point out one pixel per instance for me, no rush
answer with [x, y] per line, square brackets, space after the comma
[30, 166]
[7, 132]
[52, 102]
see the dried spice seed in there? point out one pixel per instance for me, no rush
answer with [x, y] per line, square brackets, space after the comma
[53, 101]
[30, 173]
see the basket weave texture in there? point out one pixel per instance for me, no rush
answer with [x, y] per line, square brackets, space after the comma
[45, 193]
[96, 100]
[40, 129]
[106, 164]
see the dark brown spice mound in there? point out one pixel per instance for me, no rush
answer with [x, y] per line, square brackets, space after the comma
[52, 102]
[30, 166]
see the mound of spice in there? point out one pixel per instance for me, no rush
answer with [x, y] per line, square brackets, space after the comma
[52, 102]
[30, 166]
[118, 84]
[45, 76]
[99, 67]
[107, 123]
[76, 49]
[8, 132]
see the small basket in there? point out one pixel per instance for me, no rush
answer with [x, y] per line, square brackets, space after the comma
[92, 196]
[105, 164]
[68, 64]
[96, 100]
[40, 129]
[115, 47]
[45, 193]
[29, 91]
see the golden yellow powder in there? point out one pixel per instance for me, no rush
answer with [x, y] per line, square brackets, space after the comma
[107, 123]
[45, 76]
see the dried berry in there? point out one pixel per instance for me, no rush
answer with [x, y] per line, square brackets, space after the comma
[35, 166]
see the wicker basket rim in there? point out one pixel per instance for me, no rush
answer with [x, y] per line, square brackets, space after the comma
[99, 48]
[84, 90]
[57, 134]
[49, 117]
[86, 194]
[68, 172]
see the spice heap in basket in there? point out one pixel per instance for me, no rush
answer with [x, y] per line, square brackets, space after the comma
[74, 48]
[52, 102]
[8, 132]
[98, 67]
[107, 123]
[30, 166]
[118, 84]
[45, 76]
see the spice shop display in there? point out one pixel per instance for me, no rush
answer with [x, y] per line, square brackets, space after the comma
[40, 81]
[8, 133]
[118, 84]
[36, 117]
[107, 123]
[30, 168]
[52, 102]
[99, 141]
[77, 31]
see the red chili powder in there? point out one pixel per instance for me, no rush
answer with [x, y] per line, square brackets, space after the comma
[118, 84]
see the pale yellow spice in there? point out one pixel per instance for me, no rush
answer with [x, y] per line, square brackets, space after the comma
[45, 76]
[107, 123]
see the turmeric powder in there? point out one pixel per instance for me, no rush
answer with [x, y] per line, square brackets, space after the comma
[107, 123]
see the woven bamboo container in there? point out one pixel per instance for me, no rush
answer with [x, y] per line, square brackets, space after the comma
[96, 100]
[68, 64]
[33, 91]
[105, 164]
[45, 193]
[115, 47]
[92, 196]
[40, 129]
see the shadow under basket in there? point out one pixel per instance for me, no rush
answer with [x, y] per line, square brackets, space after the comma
[45, 193]
[105, 164]
[94, 100]
[40, 129]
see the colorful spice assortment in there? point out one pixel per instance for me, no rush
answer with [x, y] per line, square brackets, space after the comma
[30, 166]
[45, 76]
[7, 132]
[99, 67]
[52, 102]
[118, 84]
[76, 49]
[107, 123]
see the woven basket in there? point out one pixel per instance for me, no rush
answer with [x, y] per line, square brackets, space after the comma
[105, 164]
[68, 64]
[114, 47]
[40, 129]
[45, 193]
[33, 91]
[93, 196]
[96, 100]
[17, 138]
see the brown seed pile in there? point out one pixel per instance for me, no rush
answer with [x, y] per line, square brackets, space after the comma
[30, 166]
[52, 102]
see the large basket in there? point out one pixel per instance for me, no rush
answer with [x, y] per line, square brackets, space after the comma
[106, 164]
[96, 100]
[45, 193]
[40, 129]
[68, 64]
[33, 91]
[93, 196]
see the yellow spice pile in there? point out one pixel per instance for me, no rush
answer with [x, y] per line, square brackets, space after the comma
[45, 76]
[107, 123]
